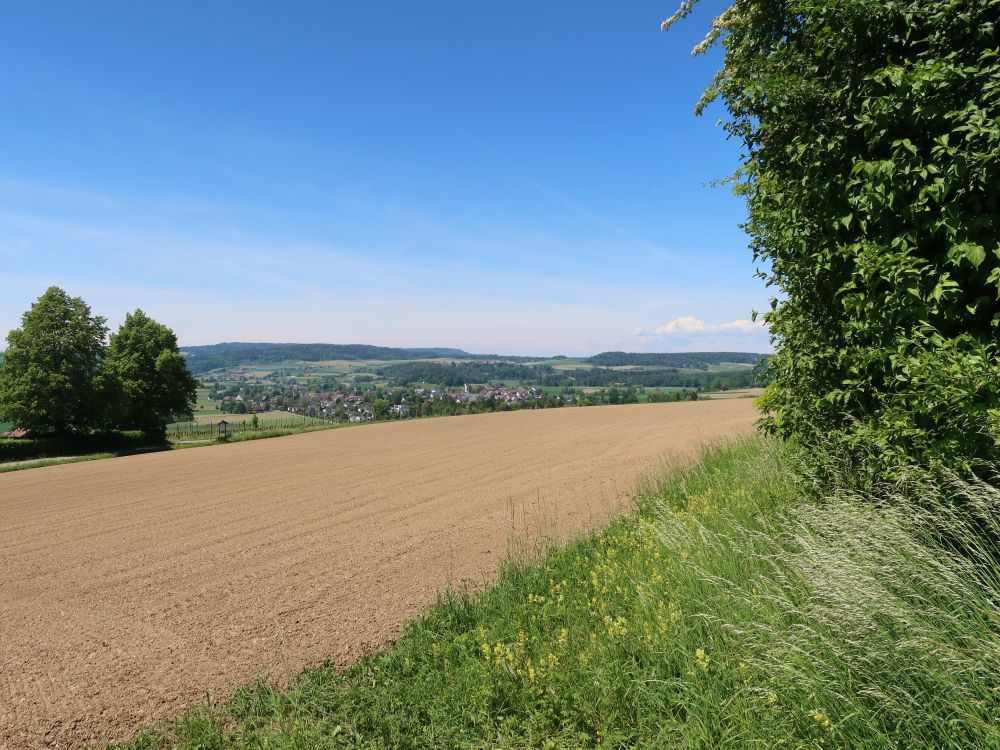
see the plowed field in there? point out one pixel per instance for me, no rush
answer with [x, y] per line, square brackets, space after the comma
[133, 587]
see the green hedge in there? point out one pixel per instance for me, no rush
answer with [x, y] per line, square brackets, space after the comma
[24, 449]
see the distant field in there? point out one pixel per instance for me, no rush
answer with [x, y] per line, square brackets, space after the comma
[563, 364]
[134, 586]
[735, 393]
[726, 366]
[262, 417]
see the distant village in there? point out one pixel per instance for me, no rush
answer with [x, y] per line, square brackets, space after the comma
[362, 404]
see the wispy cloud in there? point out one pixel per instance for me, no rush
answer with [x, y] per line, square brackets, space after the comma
[374, 271]
[650, 248]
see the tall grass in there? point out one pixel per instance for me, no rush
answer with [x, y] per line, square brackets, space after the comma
[271, 432]
[728, 611]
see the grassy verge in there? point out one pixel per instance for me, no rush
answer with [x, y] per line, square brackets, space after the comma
[725, 612]
[112, 441]
[30, 456]
[261, 434]
[38, 463]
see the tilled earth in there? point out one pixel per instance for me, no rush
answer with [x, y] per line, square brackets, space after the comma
[134, 587]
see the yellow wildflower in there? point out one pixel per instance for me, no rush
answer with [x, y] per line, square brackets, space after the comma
[703, 659]
[822, 719]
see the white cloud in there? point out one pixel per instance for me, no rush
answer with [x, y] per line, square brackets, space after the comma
[688, 333]
[688, 324]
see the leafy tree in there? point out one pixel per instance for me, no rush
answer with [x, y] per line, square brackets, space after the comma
[871, 134]
[49, 377]
[152, 379]
[381, 407]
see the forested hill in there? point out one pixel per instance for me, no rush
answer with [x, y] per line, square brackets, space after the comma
[686, 360]
[453, 375]
[204, 358]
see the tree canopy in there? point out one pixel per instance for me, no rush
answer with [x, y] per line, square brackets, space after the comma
[50, 374]
[58, 376]
[871, 134]
[152, 380]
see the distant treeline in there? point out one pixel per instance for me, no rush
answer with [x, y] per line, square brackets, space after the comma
[670, 378]
[204, 358]
[455, 375]
[213, 356]
[692, 360]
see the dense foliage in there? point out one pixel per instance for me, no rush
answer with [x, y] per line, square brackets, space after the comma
[50, 378]
[152, 379]
[109, 442]
[872, 156]
[58, 377]
[602, 377]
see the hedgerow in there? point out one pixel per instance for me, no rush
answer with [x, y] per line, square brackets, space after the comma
[871, 134]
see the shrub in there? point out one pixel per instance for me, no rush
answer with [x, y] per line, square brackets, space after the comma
[871, 131]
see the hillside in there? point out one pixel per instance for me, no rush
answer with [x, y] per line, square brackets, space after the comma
[231, 354]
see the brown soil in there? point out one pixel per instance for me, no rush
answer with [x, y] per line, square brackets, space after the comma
[134, 587]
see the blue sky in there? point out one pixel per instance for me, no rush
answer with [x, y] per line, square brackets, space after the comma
[518, 177]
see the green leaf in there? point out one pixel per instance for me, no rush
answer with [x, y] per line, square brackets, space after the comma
[975, 254]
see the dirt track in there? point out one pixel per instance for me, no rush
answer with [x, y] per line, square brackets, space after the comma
[132, 587]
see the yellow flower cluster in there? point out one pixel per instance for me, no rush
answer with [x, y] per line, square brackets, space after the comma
[702, 658]
[616, 627]
[703, 504]
[822, 719]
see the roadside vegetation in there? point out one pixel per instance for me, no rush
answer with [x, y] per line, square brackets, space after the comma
[731, 609]
[38, 463]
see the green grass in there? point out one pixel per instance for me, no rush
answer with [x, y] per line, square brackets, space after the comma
[264, 432]
[29, 461]
[39, 463]
[59, 446]
[726, 611]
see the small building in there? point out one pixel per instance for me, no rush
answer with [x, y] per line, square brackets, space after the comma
[223, 425]
[18, 433]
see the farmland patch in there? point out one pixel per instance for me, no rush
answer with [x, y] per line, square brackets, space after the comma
[135, 586]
